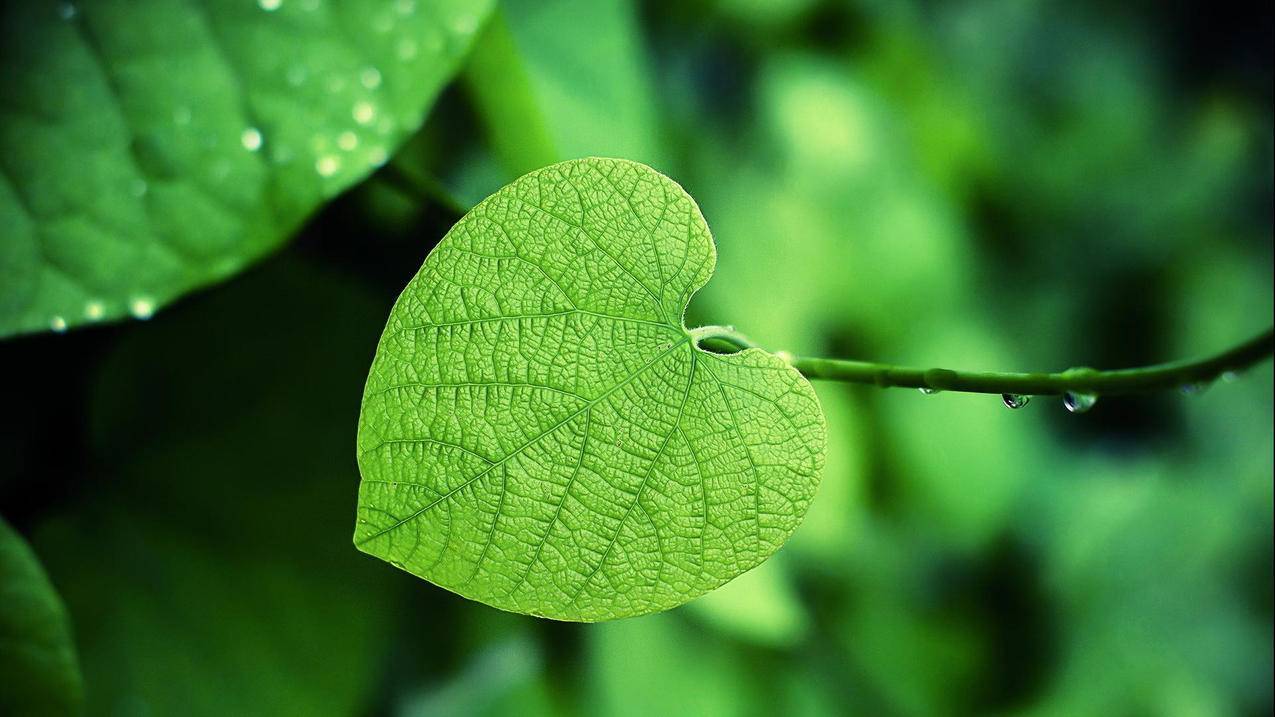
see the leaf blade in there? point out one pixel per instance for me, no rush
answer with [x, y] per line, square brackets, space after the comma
[539, 431]
[151, 148]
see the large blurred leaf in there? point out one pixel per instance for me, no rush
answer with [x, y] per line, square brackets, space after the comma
[37, 657]
[208, 569]
[148, 148]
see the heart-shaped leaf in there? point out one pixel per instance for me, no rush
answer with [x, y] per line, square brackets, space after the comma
[541, 433]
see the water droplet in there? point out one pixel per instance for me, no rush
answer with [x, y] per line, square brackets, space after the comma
[785, 356]
[405, 7]
[327, 166]
[297, 75]
[93, 310]
[1078, 402]
[181, 115]
[140, 188]
[406, 49]
[251, 139]
[58, 324]
[396, 564]
[929, 391]
[347, 141]
[142, 307]
[67, 11]
[465, 25]
[1015, 400]
[337, 84]
[363, 112]
[370, 78]
[1193, 388]
[377, 156]
[1230, 376]
[270, 5]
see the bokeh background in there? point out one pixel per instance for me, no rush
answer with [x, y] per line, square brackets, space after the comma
[999, 184]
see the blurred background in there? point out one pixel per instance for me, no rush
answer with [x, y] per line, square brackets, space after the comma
[984, 184]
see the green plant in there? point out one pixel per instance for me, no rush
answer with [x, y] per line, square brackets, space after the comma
[149, 149]
[37, 655]
[541, 432]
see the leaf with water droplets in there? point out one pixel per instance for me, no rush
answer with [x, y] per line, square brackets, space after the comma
[540, 432]
[150, 148]
[37, 656]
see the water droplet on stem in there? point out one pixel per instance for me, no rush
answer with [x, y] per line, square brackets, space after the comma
[1015, 400]
[1077, 402]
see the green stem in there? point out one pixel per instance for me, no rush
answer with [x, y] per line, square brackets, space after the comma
[1177, 374]
[422, 187]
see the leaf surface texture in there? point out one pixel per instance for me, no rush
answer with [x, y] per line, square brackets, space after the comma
[539, 431]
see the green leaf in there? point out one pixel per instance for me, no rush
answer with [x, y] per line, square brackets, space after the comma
[37, 655]
[149, 148]
[541, 433]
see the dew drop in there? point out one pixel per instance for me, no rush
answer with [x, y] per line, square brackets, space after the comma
[405, 7]
[142, 307]
[297, 75]
[929, 391]
[93, 310]
[465, 25]
[1193, 388]
[270, 5]
[327, 166]
[1078, 402]
[181, 115]
[1015, 400]
[1230, 376]
[363, 112]
[140, 188]
[67, 11]
[251, 139]
[396, 564]
[58, 324]
[406, 50]
[377, 156]
[347, 141]
[370, 78]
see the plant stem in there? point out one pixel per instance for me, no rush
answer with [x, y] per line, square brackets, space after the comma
[422, 187]
[1177, 374]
